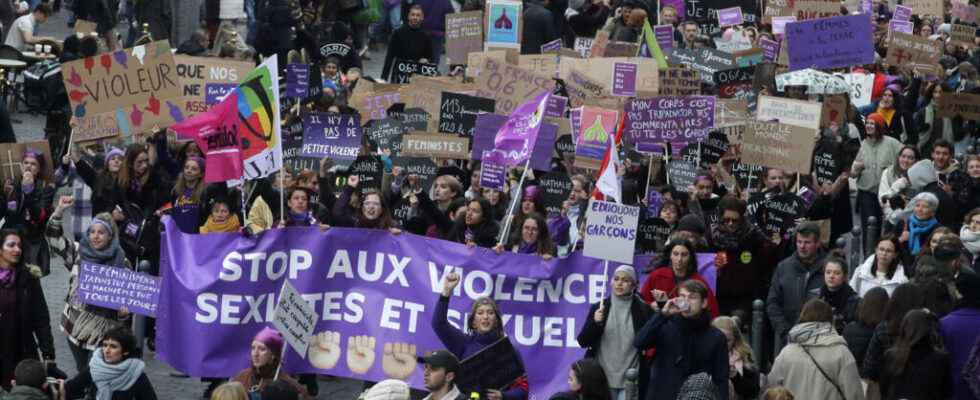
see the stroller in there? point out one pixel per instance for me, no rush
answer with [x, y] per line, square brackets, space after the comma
[44, 93]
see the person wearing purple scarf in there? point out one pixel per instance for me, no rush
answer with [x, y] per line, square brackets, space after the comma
[298, 210]
[23, 310]
[533, 238]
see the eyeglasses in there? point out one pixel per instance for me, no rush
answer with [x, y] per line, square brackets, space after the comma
[729, 221]
[372, 203]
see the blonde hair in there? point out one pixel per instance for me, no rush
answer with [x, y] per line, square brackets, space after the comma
[230, 391]
[778, 393]
[740, 345]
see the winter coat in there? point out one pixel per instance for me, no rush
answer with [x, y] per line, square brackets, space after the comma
[793, 284]
[106, 192]
[435, 16]
[156, 13]
[750, 261]
[98, 11]
[409, 44]
[800, 372]
[24, 393]
[485, 234]
[30, 318]
[960, 330]
[864, 280]
[142, 389]
[589, 19]
[685, 346]
[926, 375]
[858, 338]
[663, 279]
[539, 27]
[275, 18]
[874, 358]
[590, 336]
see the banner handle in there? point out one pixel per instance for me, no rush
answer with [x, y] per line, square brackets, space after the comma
[513, 203]
[282, 354]
[605, 279]
[667, 163]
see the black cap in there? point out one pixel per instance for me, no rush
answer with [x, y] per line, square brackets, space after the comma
[441, 359]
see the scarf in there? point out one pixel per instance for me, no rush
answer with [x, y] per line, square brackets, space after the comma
[301, 219]
[970, 240]
[836, 298]
[527, 248]
[111, 378]
[112, 255]
[887, 113]
[230, 225]
[7, 277]
[918, 230]
[725, 240]
[809, 333]
[616, 351]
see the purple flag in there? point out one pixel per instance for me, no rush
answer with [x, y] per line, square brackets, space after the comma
[516, 138]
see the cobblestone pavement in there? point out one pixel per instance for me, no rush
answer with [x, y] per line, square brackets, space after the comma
[167, 382]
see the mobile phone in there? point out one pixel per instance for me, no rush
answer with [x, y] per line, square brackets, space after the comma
[681, 303]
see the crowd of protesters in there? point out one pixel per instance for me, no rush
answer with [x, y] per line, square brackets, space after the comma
[902, 323]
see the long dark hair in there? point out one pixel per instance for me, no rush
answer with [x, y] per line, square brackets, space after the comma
[595, 385]
[894, 264]
[692, 263]
[905, 298]
[126, 173]
[917, 325]
[896, 169]
[871, 309]
[384, 221]
[545, 245]
[3, 238]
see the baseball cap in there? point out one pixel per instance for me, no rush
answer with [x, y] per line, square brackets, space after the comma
[441, 359]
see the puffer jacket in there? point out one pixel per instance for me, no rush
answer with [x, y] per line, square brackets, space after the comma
[793, 284]
[814, 347]
[864, 280]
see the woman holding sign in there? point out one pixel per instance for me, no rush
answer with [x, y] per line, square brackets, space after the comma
[85, 324]
[484, 328]
[23, 310]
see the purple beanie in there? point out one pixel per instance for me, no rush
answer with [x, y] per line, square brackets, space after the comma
[531, 193]
[271, 338]
[113, 151]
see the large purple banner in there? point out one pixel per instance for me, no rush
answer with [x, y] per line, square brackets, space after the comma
[833, 42]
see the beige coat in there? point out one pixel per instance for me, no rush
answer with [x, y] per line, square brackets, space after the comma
[798, 373]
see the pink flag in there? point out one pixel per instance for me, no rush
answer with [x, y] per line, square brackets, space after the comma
[216, 133]
[516, 138]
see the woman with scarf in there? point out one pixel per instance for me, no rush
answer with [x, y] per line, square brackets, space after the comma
[533, 238]
[816, 361]
[837, 293]
[882, 269]
[28, 207]
[474, 227]
[485, 326]
[917, 367]
[373, 213]
[566, 228]
[743, 258]
[114, 370]
[966, 184]
[86, 324]
[610, 328]
[23, 310]
[895, 179]
[896, 116]
[298, 209]
[921, 222]
[930, 125]
[686, 343]
[264, 358]
[743, 373]
[221, 219]
[970, 235]
[186, 195]
[678, 264]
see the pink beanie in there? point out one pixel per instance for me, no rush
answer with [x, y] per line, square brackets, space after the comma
[271, 338]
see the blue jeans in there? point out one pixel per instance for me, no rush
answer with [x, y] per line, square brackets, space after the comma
[387, 25]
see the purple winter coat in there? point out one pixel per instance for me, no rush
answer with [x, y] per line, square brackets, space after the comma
[960, 330]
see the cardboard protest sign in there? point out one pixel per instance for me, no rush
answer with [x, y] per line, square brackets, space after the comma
[834, 110]
[933, 8]
[386, 133]
[651, 122]
[337, 136]
[905, 49]
[738, 41]
[731, 112]
[800, 113]
[599, 44]
[369, 169]
[294, 318]
[438, 145]
[487, 127]
[778, 145]
[776, 8]
[205, 80]
[85, 28]
[704, 60]
[861, 85]
[12, 156]
[555, 187]
[581, 88]
[834, 42]
[681, 174]
[457, 113]
[815, 9]
[962, 35]
[610, 231]
[595, 129]
[504, 23]
[493, 367]
[509, 85]
[779, 24]
[413, 119]
[601, 69]
[114, 288]
[139, 86]
[493, 170]
[617, 49]
[464, 35]
[426, 93]
[964, 12]
[402, 70]
[474, 60]
[679, 81]
[960, 104]
[373, 101]
[541, 64]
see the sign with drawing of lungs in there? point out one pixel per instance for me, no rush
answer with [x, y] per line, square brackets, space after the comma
[139, 86]
[504, 19]
[597, 127]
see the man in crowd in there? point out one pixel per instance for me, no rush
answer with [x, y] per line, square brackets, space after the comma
[441, 367]
[797, 278]
[30, 382]
[22, 35]
[690, 31]
[409, 42]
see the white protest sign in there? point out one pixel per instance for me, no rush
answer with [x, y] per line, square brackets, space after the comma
[805, 114]
[861, 85]
[610, 231]
[294, 318]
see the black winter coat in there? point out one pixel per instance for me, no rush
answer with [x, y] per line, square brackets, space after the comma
[927, 375]
[539, 28]
[31, 318]
[685, 347]
[858, 338]
[792, 285]
[274, 26]
[591, 335]
[407, 43]
[874, 358]
[141, 390]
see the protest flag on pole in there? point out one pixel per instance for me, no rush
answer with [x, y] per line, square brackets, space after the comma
[517, 137]
[216, 133]
[649, 47]
[607, 184]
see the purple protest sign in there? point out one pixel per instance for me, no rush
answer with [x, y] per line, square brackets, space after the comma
[655, 200]
[297, 80]
[337, 136]
[624, 79]
[731, 16]
[834, 42]
[215, 92]
[518, 136]
[551, 47]
[779, 24]
[487, 126]
[668, 119]
[770, 49]
[900, 26]
[363, 282]
[665, 36]
[867, 6]
[493, 171]
[902, 13]
[556, 106]
[114, 288]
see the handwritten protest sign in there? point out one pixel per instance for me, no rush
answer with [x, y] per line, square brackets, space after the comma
[776, 8]
[705, 12]
[901, 26]
[337, 136]
[830, 42]
[962, 35]
[730, 16]
[402, 70]
[386, 133]
[413, 119]
[294, 318]
[292, 147]
[834, 110]
[861, 85]
[457, 112]
[12, 156]
[610, 231]
[665, 36]
[426, 93]
[370, 169]
[298, 81]
[555, 187]
[96, 127]
[963, 104]
[905, 50]
[934, 8]
[541, 64]
[770, 49]
[115, 288]
[464, 35]
[704, 60]
[373, 102]
[747, 176]
[681, 174]
[85, 28]
[600, 69]
[204, 80]
[778, 145]
[668, 119]
[736, 83]
[493, 170]
[509, 85]
[814, 9]
[616, 49]
[800, 113]
[438, 145]
[675, 81]
[965, 12]
[139, 85]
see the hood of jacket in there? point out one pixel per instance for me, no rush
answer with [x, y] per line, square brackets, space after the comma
[815, 334]
[864, 272]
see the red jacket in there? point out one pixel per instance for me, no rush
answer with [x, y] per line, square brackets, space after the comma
[662, 278]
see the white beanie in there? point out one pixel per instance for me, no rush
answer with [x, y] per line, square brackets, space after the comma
[389, 389]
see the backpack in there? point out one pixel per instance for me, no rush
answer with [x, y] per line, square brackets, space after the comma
[971, 370]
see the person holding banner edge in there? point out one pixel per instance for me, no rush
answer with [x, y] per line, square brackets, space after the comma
[484, 327]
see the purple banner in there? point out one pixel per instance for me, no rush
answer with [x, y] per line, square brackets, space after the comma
[834, 42]
[337, 136]
[665, 36]
[364, 282]
[115, 288]
[902, 13]
[493, 171]
[297, 80]
[215, 92]
[487, 126]
[668, 119]
[770, 49]
[624, 79]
